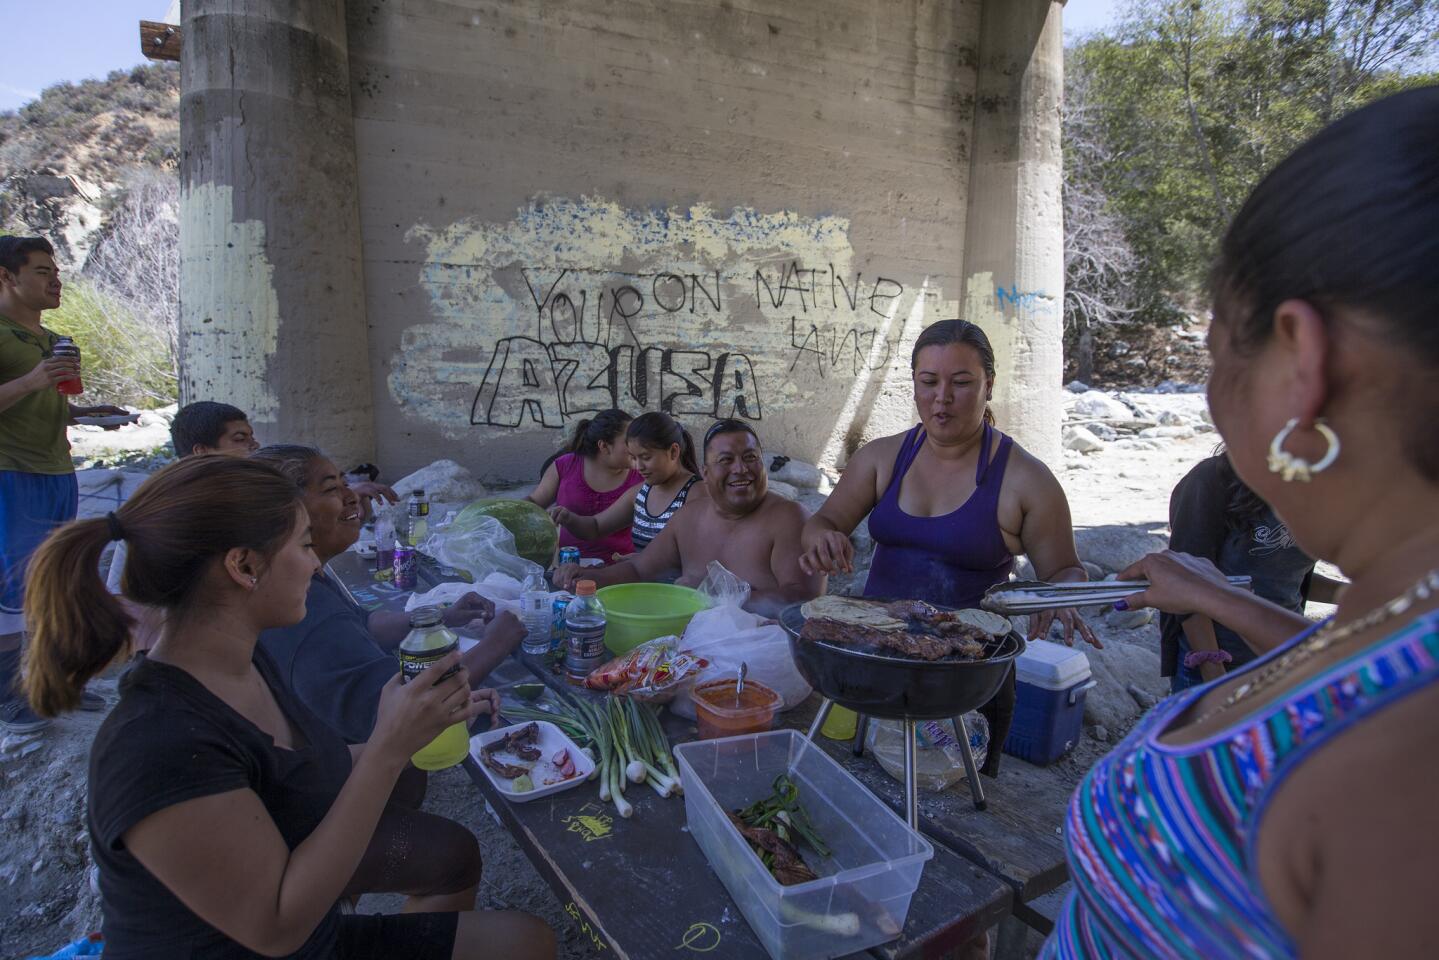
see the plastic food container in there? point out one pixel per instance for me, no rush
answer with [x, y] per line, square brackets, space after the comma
[1051, 683]
[720, 713]
[637, 612]
[863, 892]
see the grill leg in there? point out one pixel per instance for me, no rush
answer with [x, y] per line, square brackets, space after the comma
[819, 717]
[861, 727]
[911, 788]
[976, 789]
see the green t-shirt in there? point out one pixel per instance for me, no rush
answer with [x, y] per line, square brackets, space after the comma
[32, 430]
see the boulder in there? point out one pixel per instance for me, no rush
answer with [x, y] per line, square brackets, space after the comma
[1167, 433]
[786, 490]
[1115, 669]
[443, 481]
[1130, 443]
[1112, 548]
[797, 473]
[1129, 619]
[1101, 406]
[1103, 431]
[1168, 418]
[1081, 440]
[1077, 386]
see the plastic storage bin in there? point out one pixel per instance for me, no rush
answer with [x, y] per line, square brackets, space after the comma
[1051, 681]
[876, 858]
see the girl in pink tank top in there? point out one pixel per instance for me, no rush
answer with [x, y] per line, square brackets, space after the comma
[591, 475]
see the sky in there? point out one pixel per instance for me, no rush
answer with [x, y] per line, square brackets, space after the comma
[89, 38]
[75, 40]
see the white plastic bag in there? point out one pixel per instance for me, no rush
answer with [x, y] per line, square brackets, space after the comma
[722, 588]
[483, 548]
[937, 761]
[727, 635]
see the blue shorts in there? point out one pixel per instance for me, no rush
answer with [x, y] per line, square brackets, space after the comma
[31, 505]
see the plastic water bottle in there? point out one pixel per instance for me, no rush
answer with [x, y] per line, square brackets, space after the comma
[384, 547]
[440, 529]
[584, 633]
[536, 614]
[419, 518]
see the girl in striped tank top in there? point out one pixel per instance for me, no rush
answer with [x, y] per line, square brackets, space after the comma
[663, 453]
[1288, 809]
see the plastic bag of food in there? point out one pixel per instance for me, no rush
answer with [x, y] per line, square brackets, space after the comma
[937, 761]
[654, 671]
[482, 547]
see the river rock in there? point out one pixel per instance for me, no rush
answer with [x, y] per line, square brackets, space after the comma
[1081, 440]
[1077, 386]
[1100, 406]
[1130, 619]
[1167, 433]
[786, 490]
[1114, 547]
[443, 481]
[797, 473]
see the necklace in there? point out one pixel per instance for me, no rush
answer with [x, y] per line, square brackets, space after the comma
[1324, 638]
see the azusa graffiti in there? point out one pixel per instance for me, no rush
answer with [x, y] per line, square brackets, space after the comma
[559, 380]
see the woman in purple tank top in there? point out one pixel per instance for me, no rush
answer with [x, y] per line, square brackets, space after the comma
[951, 501]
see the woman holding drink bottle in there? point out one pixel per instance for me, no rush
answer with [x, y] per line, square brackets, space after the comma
[209, 760]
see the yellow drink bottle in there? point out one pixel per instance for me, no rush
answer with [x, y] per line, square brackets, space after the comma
[430, 640]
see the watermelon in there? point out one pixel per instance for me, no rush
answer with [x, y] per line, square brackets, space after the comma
[534, 532]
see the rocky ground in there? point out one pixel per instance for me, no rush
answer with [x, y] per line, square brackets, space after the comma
[1124, 453]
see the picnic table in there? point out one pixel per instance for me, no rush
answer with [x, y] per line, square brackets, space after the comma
[641, 887]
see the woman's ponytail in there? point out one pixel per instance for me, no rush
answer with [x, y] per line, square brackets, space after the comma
[688, 460]
[577, 439]
[77, 627]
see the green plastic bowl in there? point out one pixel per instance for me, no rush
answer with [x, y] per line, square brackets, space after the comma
[637, 612]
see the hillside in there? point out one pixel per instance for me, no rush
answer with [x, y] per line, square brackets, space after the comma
[66, 157]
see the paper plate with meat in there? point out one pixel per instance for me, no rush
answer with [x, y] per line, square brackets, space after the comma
[530, 760]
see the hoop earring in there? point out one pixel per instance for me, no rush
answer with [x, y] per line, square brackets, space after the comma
[1293, 468]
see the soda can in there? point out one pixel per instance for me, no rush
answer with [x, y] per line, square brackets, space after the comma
[569, 555]
[407, 566]
[558, 606]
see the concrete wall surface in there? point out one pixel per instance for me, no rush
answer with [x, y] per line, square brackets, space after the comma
[710, 208]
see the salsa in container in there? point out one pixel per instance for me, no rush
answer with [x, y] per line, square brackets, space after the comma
[723, 713]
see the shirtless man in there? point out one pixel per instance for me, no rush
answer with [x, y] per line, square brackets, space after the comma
[753, 533]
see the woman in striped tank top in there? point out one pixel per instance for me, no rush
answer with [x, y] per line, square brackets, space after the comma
[663, 453]
[1288, 809]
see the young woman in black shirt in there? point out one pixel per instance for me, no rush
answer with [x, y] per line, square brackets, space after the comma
[225, 819]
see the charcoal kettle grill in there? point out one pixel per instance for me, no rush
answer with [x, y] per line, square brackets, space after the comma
[905, 689]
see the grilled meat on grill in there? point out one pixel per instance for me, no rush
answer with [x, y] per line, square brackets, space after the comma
[950, 640]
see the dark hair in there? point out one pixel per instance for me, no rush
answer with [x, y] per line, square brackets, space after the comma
[1347, 220]
[15, 251]
[662, 431]
[1242, 506]
[608, 426]
[942, 333]
[186, 515]
[202, 422]
[729, 425]
[291, 460]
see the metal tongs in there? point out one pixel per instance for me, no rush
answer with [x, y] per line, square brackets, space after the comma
[1031, 596]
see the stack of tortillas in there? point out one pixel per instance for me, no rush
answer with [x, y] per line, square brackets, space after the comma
[864, 613]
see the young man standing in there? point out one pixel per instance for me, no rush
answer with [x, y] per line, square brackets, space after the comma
[38, 491]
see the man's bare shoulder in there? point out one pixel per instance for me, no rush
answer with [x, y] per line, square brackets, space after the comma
[781, 510]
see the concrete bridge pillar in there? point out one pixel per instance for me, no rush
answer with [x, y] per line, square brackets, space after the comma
[272, 317]
[1014, 234]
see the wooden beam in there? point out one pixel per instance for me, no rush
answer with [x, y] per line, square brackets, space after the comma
[159, 41]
